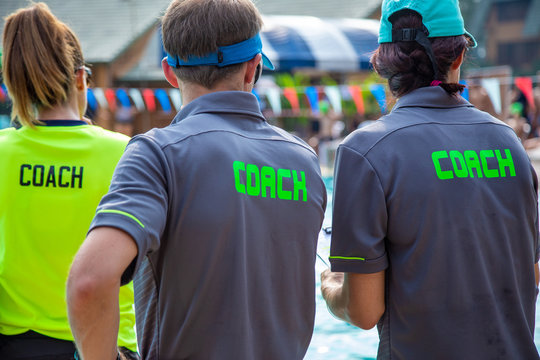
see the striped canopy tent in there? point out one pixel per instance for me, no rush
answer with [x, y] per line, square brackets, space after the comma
[291, 42]
[334, 45]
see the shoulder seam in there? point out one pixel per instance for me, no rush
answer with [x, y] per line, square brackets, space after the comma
[370, 165]
[162, 147]
[425, 123]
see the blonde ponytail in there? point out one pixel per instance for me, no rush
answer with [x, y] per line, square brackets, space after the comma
[41, 55]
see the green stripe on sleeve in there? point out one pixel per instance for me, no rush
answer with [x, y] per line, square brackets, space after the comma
[347, 258]
[122, 213]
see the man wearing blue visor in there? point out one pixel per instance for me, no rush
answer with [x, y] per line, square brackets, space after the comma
[215, 217]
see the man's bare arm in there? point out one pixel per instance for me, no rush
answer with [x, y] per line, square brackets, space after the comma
[92, 291]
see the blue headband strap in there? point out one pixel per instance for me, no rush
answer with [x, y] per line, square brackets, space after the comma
[226, 55]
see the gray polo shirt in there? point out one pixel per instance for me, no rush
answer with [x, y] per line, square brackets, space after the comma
[225, 210]
[443, 197]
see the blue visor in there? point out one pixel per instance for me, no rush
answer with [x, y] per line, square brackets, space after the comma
[226, 55]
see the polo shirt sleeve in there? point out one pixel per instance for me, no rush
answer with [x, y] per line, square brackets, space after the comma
[137, 200]
[359, 219]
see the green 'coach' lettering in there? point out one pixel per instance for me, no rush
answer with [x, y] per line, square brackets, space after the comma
[461, 171]
[283, 194]
[299, 185]
[473, 163]
[490, 173]
[237, 167]
[253, 184]
[436, 157]
[507, 162]
[466, 164]
[268, 182]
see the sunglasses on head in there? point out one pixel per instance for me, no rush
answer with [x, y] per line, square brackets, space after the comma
[88, 72]
[258, 73]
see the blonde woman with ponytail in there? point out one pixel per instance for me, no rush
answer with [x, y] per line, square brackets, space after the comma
[54, 170]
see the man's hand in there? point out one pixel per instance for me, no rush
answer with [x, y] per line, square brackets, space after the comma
[355, 298]
[332, 291]
[331, 281]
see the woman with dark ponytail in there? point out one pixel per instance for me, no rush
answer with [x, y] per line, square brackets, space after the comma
[435, 214]
[54, 170]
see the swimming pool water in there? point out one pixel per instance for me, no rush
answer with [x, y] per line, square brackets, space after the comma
[336, 340]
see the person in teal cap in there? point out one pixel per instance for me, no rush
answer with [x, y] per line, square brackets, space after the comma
[435, 212]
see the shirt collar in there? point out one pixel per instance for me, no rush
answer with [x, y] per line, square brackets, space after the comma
[431, 97]
[62, 123]
[228, 102]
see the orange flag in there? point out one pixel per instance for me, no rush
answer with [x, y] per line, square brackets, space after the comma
[291, 95]
[356, 93]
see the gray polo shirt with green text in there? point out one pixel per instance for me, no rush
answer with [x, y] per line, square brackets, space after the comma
[443, 197]
[225, 210]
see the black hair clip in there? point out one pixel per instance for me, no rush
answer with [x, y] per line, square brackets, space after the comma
[420, 35]
[408, 34]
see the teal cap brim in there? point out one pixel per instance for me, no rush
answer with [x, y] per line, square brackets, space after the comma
[472, 40]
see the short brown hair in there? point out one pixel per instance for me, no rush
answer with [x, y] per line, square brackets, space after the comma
[199, 27]
[41, 55]
[407, 66]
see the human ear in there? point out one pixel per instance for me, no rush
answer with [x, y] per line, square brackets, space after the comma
[459, 61]
[80, 80]
[251, 69]
[169, 73]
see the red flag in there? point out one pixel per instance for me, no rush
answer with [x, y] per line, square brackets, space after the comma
[111, 99]
[526, 86]
[149, 99]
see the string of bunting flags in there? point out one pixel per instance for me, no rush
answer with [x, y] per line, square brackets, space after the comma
[170, 100]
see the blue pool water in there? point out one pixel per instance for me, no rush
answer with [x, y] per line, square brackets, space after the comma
[337, 340]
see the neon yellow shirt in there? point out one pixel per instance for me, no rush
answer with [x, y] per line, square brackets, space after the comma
[51, 181]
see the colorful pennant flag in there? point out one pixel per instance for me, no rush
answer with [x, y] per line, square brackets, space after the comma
[291, 95]
[135, 95]
[91, 99]
[176, 98]
[380, 95]
[149, 99]
[123, 98]
[256, 93]
[100, 97]
[3, 95]
[111, 99]
[334, 98]
[163, 99]
[274, 99]
[356, 94]
[465, 93]
[493, 89]
[313, 98]
[526, 86]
